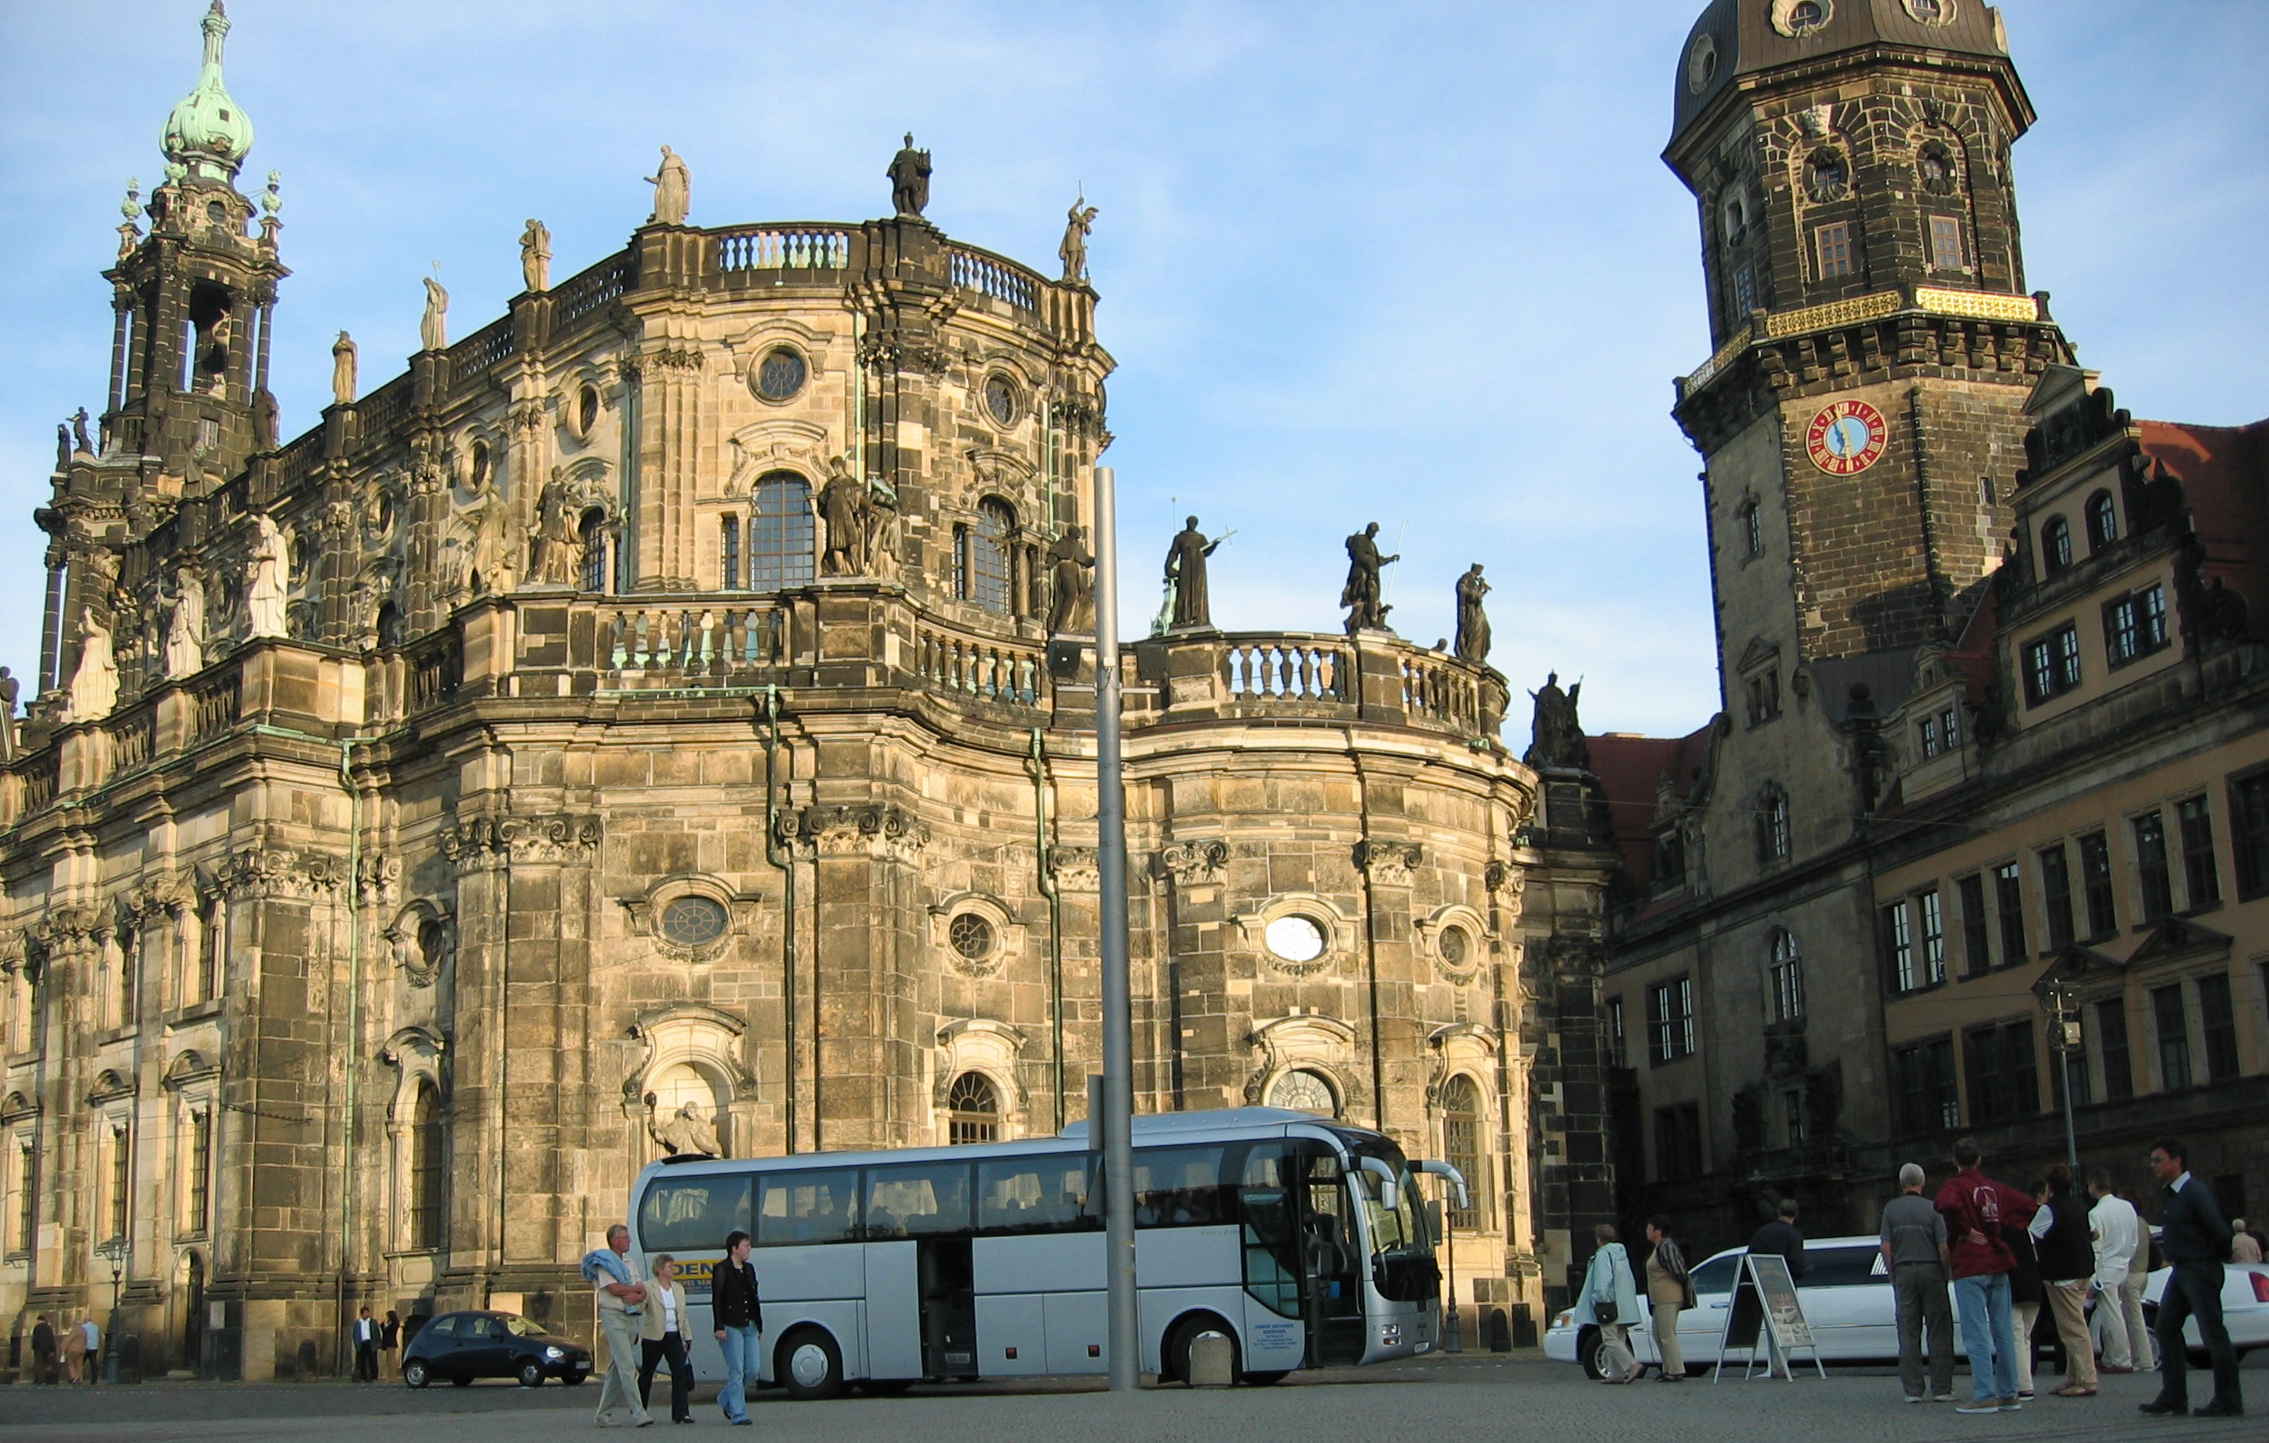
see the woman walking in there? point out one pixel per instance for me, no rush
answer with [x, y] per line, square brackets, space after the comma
[1670, 1291]
[662, 1339]
[1611, 1300]
[389, 1338]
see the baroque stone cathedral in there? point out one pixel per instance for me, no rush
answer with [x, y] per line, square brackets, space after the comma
[630, 728]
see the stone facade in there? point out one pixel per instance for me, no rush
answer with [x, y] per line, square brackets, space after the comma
[660, 745]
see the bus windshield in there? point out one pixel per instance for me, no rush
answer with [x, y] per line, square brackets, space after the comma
[1402, 1251]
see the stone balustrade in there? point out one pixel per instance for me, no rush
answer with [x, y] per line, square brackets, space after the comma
[791, 246]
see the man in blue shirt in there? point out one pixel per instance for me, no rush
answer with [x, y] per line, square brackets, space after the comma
[2195, 1239]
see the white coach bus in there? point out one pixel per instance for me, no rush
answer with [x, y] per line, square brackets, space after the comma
[1300, 1239]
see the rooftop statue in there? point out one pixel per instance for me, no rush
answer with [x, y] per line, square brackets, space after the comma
[1078, 224]
[94, 682]
[10, 690]
[264, 579]
[535, 256]
[673, 190]
[1556, 738]
[1185, 576]
[433, 326]
[1473, 622]
[185, 633]
[909, 179]
[343, 370]
[1071, 607]
[1365, 611]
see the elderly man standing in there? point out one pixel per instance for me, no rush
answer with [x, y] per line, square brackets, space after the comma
[622, 1307]
[1914, 1249]
[2115, 1229]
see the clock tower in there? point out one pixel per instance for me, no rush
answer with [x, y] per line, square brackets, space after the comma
[1872, 338]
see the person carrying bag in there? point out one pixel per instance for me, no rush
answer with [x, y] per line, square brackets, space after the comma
[1610, 1298]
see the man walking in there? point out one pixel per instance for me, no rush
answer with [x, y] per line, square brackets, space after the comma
[90, 1348]
[1914, 1251]
[366, 1346]
[2114, 1230]
[1781, 1236]
[2196, 1240]
[738, 1316]
[622, 1308]
[43, 1351]
[2068, 1265]
[1975, 1208]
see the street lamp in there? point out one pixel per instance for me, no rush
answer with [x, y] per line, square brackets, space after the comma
[113, 1252]
[2065, 1041]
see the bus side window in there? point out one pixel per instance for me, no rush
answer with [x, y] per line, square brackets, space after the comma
[918, 1200]
[1033, 1195]
[692, 1213]
[818, 1206]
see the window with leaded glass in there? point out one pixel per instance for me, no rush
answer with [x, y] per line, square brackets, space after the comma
[2135, 625]
[780, 533]
[2173, 1026]
[1461, 1145]
[121, 1178]
[1773, 840]
[1670, 1020]
[973, 1110]
[1301, 1090]
[1833, 244]
[2202, 887]
[212, 948]
[2103, 521]
[428, 1169]
[27, 1198]
[200, 1170]
[2056, 545]
[986, 571]
[2151, 873]
[591, 532]
[1946, 244]
[2052, 665]
[2095, 881]
[1788, 977]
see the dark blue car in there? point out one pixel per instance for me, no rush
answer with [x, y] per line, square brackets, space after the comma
[484, 1344]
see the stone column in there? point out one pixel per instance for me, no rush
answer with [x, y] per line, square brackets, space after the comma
[1395, 1042]
[1575, 1174]
[1205, 1060]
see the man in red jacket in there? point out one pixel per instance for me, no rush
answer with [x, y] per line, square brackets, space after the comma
[1975, 1208]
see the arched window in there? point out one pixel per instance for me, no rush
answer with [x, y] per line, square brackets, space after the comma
[210, 967]
[973, 1110]
[2056, 546]
[780, 534]
[2103, 522]
[1772, 825]
[1461, 1146]
[428, 1169]
[1788, 977]
[593, 532]
[985, 572]
[729, 553]
[1304, 1091]
[197, 1182]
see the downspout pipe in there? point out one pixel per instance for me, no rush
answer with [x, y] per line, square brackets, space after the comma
[1037, 764]
[781, 858]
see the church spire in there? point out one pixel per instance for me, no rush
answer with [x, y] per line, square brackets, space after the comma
[208, 134]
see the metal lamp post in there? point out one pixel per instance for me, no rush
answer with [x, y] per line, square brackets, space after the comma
[2064, 1039]
[1117, 1121]
[113, 1252]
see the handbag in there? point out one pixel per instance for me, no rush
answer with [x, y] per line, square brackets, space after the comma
[1603, 1310]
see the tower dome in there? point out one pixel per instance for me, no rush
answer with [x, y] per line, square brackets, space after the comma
[208, 132]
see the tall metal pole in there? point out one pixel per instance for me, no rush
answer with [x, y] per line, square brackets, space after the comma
[1117, 1121]
[2064, 1036]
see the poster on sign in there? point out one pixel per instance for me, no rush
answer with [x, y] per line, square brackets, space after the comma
[1765, 1301]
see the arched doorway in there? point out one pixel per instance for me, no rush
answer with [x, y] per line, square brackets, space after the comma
[191, 1285]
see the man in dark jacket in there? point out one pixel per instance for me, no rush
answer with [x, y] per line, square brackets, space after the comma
[1975, 1208]
[43, 1351]
[738, 1318]
[2067, 1262]
[1781, 1236]
[2195, 1239]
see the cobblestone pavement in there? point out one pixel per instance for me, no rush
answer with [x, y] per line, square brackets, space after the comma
[1484, 1395]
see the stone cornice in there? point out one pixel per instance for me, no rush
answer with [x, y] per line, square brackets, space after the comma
[558, 837]
[874, 829]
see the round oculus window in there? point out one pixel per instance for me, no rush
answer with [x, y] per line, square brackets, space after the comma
[1452, 945]
[970, 935]
[1303, 1091]
[1701, 64]
[1294, 939]
[1000, 399]
[781, 374]
[693, 921]
[587, 410]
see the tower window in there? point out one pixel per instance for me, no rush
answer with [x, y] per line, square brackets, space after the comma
[2056, 545]
[1827, 176]
[1752, 531]
[2103, 521]
[1832, 243]
[1744, 294]
[729, 553]
[985, 571]
[1946, 244]
[780, 534]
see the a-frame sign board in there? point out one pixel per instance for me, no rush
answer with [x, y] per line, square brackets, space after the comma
[1764, 1299]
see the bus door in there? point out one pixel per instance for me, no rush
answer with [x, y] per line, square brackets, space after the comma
[928, 1205]
[1330, 1260]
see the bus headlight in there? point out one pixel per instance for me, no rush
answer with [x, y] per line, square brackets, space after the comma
[1390, 1335]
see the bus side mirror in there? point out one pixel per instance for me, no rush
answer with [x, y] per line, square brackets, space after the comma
[1390, 1190]
[1455, 1178]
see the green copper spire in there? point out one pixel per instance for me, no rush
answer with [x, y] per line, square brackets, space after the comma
[208, 132]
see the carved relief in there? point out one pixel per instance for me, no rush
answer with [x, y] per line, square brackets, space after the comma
[1192, 863]
[880, 830]
[561, 837]
[423, 941]
[265, 871]
[1388, 864]
[1075, 869]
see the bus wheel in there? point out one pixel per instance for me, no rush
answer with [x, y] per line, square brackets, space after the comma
[808, 1364]
[1184, 1338]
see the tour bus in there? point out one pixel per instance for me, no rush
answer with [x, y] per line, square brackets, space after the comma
[1299, 1239]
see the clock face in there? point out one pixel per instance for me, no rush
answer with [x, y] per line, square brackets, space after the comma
[1846, 437]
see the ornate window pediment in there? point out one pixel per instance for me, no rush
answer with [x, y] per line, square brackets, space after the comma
[189, 1068]
[109, 1087]
[1311, 1043]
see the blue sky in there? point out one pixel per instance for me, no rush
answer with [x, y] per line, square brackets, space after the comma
[1416, 264]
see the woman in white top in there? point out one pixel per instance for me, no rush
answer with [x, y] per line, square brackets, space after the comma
[662, 1334]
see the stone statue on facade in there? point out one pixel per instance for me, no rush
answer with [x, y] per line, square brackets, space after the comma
[843, 508]
[80, 440]
[909, 179]
[1070, 568]
[433, 326]
[535, 256]
[673, 190]
[1556, 738]
[267, 421]
[882, 534]
[1185, 576]
[129, 230]
[11, 690]
[1473, 622]
[63, 445]
[93, 692]
[264, 579]
[556, 544]
[687, 1131]
[343, 370]
[185, 632]
[1079, 223]
[489, 571]
[1365, 611]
